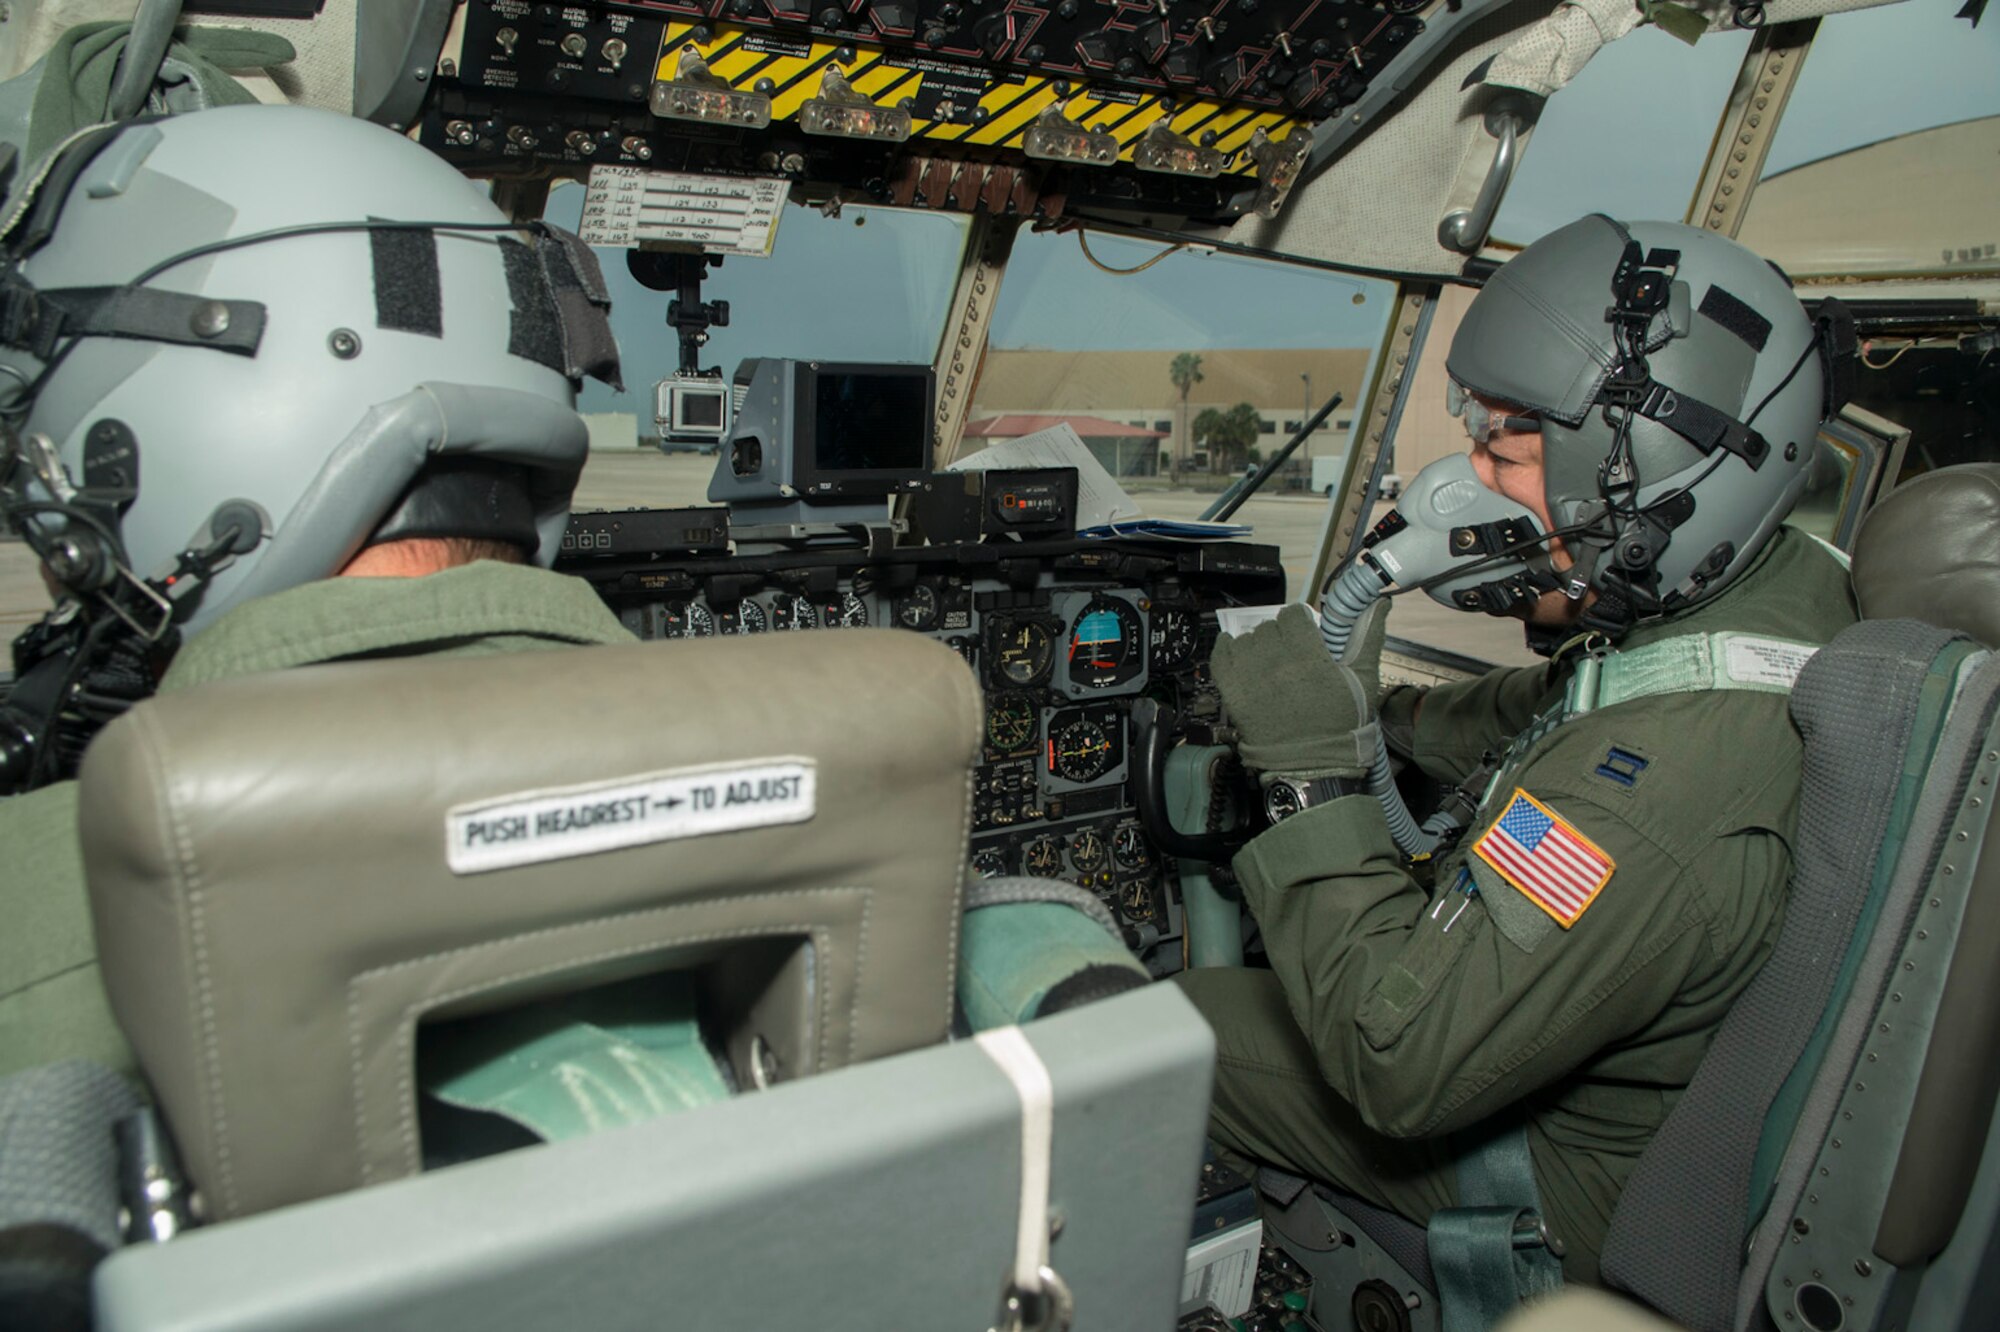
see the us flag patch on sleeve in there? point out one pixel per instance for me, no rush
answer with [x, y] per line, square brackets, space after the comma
[1555, 866]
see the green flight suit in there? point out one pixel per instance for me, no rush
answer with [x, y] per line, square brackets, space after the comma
[1391, 1018]
[52, 1003]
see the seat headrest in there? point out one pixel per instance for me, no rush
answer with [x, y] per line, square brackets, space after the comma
[1931, 552]
[290, 872]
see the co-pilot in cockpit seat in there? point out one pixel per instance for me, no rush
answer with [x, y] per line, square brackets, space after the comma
[299, 879]
[1835, 1163]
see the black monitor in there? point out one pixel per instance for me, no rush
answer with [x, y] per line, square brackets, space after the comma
[826, 435]
[861, 429]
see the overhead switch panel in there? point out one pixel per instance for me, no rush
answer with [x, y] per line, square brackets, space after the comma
[1158, 100]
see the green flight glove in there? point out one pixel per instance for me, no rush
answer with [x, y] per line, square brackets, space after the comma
[1301, 713]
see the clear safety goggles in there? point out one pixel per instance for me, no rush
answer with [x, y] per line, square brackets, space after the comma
[1482, 422]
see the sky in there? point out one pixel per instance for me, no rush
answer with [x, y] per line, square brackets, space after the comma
[1056, 299]
[873, 283]
[1871, 75]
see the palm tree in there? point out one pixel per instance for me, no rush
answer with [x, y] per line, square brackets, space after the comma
[1228, 435]
[1186, 373]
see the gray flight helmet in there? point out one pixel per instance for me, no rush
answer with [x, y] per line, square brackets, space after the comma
[329, 373]
[1722, 421]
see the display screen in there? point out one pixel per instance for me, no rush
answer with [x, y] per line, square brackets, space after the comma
[698, 409]
[871, 422]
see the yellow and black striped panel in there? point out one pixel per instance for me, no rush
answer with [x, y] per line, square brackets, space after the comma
[950, 93]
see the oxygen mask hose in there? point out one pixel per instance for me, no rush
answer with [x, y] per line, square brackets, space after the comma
[1447, 521]
[1348, 597]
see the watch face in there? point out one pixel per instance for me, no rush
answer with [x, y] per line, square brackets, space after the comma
[1281, 801]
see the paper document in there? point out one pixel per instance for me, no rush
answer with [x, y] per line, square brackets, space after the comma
[723, 215]
[1099, 498]
[1236, 621]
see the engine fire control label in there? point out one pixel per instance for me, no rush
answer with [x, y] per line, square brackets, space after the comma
[537, 826]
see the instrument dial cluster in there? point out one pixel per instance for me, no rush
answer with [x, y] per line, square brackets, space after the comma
[1111, 857]
[1061, 647]
[763, 612]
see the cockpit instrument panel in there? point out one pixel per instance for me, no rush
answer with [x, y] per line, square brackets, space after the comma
[1064, 637]
[1178, 107]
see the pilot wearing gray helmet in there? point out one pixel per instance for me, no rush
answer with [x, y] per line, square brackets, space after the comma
[255, 418]
[1554, 949]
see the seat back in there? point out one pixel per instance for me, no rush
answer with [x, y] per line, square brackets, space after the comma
[1894, 1128]
[293, 875]
[1870, 707]
[1804, 1113]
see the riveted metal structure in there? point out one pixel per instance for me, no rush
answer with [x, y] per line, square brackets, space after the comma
[1736, 158]
[1387, 392]
[964, 347]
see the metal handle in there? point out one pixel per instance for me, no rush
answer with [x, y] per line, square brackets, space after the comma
[1465, 230]
[145, 50]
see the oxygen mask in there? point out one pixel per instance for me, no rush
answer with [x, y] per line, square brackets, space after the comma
[1470, 548]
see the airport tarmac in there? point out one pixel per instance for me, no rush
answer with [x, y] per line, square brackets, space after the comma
[646, 479]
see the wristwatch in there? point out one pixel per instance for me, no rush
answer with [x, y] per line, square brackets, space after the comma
[1286, 796]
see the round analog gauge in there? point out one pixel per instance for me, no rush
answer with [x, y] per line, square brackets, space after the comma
[1105, 644]
[1023, 651]
[1129, 849]
[1080, 751]
[1042, 857]
[966, 646]
[1086, 852]
[989, 862]
[793, 612]
[1172, 637]
[1010, 722]
[847, 611]
[918, 608]
[1136, 900]
[747, 618]
[687, 619]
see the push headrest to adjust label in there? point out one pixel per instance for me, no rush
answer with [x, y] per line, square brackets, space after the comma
[535, 826]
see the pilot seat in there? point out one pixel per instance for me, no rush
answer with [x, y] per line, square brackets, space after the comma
[687, 915]
[1835, 1164]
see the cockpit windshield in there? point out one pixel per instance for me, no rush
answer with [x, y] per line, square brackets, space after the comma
[1887, 177]
[855, 284]
[1181, 369]
[1663, 94]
